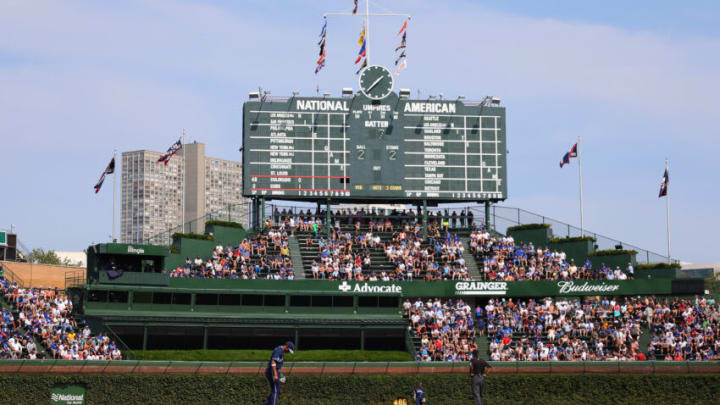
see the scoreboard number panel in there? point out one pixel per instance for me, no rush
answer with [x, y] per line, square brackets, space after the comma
[358, 148]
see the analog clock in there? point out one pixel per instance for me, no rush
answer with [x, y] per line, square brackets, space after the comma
[376, 82]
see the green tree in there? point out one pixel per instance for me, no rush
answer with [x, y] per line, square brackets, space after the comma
[43, 257]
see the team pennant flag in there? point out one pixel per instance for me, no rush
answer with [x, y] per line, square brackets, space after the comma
[403, 28]
[664, 184]
[403, 43]
[566, 158]
[172, 150]
[323, 32]
[361, 54]
[402, 55]
[363, 66]
[355, 9]
[322, 47]
[110, 169]
[401, 66]
[322, 58]
[362, 36]
[319, 67]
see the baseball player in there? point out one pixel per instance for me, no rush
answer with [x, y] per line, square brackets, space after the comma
[272, 372]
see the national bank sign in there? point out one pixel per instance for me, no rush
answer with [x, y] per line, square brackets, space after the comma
[369, 288]
[481, 288]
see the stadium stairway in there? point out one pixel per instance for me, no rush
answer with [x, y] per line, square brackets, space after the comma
[644, 340]
[470, 259]
[296, 258]
[483, 344]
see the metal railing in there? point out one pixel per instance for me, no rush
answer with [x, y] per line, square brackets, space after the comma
[501, 218]
[232, 212]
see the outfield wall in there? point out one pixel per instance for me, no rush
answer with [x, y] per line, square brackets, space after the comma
[351, 368]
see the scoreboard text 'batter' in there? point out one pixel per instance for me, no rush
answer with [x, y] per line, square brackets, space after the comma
[356, 148]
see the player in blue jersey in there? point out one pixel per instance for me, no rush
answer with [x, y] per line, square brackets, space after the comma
[419, 394]
[272, 372]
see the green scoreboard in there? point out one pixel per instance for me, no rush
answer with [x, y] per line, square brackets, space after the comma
[372, 146]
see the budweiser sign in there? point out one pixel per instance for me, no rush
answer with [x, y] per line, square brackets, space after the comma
[569, 287]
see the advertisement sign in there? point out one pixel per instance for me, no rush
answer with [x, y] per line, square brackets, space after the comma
[68, 394]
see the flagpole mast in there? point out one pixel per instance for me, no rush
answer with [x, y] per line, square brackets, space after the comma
[183, 181]
[367, 31]
[114, 237]
[582, 219]
[667, 211]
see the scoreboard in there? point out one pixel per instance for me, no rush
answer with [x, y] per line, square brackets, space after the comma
[357, 148]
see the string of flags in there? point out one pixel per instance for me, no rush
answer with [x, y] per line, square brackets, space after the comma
[356, 6]
[321, 44]
[401, 60]
[362, 42]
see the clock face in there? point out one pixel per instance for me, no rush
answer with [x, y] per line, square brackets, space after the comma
[376, 82]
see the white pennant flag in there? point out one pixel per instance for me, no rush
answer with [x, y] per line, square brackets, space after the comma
[401, 66]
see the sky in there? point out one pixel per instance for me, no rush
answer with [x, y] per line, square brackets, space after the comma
[638, 81]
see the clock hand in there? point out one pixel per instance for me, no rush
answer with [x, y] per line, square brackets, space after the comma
[375, 83]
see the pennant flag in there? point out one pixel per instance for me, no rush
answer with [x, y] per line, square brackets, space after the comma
[355, 9]
[361, 54]
[399, 48]
[567, 156]
[362, 36]
[664, 184]
[110, 169]
[403, 43]
[172, 150]
[363, 66]
[402, 66]
[322, 47]
[319, 67]
[403, 28]
[324, 30]
[322, 58]
[402, 55]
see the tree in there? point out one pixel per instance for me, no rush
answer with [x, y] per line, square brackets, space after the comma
[42, 257]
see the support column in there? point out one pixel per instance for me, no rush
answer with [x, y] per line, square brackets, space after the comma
[328, 219]
[425, 219]
[205, 338]
[262, 213]
[297, 339]
[487, 215]
[362, 338]
[145, 338]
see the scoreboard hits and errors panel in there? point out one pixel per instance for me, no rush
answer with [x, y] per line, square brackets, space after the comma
[356, 148]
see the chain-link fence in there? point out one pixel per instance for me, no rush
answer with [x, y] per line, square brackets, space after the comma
[239, 213]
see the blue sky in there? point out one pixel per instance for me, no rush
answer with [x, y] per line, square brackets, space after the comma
[637, 80]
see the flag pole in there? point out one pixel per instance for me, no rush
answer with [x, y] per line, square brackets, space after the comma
[183, 180]
[367, 31]
[114, 237]
[667, 211]
[582, 219]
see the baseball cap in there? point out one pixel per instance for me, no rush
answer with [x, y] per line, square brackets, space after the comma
[291, 347]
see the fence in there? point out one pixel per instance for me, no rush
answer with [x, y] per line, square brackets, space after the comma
[233, 212]
[501, 218]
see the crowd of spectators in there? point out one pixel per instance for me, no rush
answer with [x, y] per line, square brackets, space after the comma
[500, 259]
[561, 329]
[684, 329]
[446, 329]
[266, 255]
[47, 315]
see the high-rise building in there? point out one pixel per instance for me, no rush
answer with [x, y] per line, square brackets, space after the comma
[152, 205]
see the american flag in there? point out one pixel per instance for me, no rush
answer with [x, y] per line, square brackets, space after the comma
[173, 149]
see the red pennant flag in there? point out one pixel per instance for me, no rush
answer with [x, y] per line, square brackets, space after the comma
[403, 28]
[355, 9]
